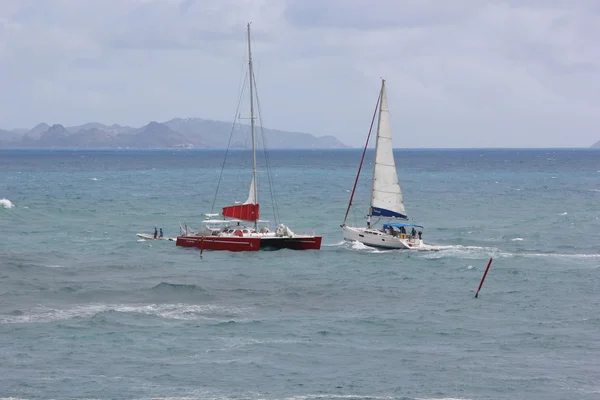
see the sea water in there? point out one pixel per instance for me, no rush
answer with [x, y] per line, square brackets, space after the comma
[90, 310]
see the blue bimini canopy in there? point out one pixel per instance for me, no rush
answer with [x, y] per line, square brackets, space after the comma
[400, 225]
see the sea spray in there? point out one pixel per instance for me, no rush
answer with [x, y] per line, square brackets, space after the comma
[6, 203]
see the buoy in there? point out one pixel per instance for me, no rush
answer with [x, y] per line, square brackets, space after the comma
[483, 278]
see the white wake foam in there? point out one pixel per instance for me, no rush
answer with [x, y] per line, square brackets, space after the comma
[338, 244]
[477, 252]
[6, 203]
[356, 245]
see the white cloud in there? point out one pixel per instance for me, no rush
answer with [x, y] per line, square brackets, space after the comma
[464, 73]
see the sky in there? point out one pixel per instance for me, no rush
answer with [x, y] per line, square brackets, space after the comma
[460, 73]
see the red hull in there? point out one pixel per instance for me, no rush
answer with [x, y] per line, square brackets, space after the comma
[234, 243]
[230, 243]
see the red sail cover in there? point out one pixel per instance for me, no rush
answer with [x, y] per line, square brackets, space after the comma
[246, 212]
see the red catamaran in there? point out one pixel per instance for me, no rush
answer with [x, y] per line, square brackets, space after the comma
[230, 232]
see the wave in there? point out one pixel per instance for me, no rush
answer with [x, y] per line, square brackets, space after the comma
[177, 311]
[441, 398]
[339, 396]
[177, 287]
[6, 203]
[239, 342]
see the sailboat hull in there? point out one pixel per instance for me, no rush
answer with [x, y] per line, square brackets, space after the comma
[246, 243]
[376, 238]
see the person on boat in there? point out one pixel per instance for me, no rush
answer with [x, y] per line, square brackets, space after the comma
[403, 230]
[161, 233]
[413, 232]
[155, 232]
[420, 233]
[368, 222]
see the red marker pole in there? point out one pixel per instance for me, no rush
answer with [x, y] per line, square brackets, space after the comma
[483, 278]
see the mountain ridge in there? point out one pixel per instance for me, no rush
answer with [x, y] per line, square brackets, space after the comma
[174, 133]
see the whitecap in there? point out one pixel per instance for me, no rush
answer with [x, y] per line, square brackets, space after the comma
[6, 203]
[565, 213]
[516, 239]
[177, 311]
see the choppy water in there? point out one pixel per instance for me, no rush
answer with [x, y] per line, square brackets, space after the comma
[89, 311]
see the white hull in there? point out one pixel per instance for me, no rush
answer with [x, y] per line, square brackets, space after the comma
[376, 238]
[148, 236]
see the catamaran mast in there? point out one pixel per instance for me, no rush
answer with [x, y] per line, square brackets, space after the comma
[254, 181]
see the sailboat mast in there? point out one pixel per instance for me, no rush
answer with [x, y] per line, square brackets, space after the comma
[251, 80]
[362, 159]
[381, 93]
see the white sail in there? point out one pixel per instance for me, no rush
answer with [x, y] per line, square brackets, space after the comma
[252, 194]
[386, 198]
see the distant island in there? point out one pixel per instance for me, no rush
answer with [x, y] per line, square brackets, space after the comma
[596, 145]
[176, 133]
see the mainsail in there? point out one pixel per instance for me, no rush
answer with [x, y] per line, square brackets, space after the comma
[386, 199]
[249, 211]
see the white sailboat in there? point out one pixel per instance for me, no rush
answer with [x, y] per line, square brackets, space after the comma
[386, 196]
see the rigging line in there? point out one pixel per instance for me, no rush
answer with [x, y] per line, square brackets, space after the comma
[267, 159]
[241, 94]
[362, 159]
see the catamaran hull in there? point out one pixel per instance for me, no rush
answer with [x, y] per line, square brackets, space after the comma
[228, 243]
[374, 238]
[293, 243]
[234, 243]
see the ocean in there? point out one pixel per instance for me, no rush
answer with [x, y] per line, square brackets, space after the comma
[88, 310]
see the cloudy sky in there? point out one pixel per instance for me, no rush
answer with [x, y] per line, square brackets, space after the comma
[460, 73]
